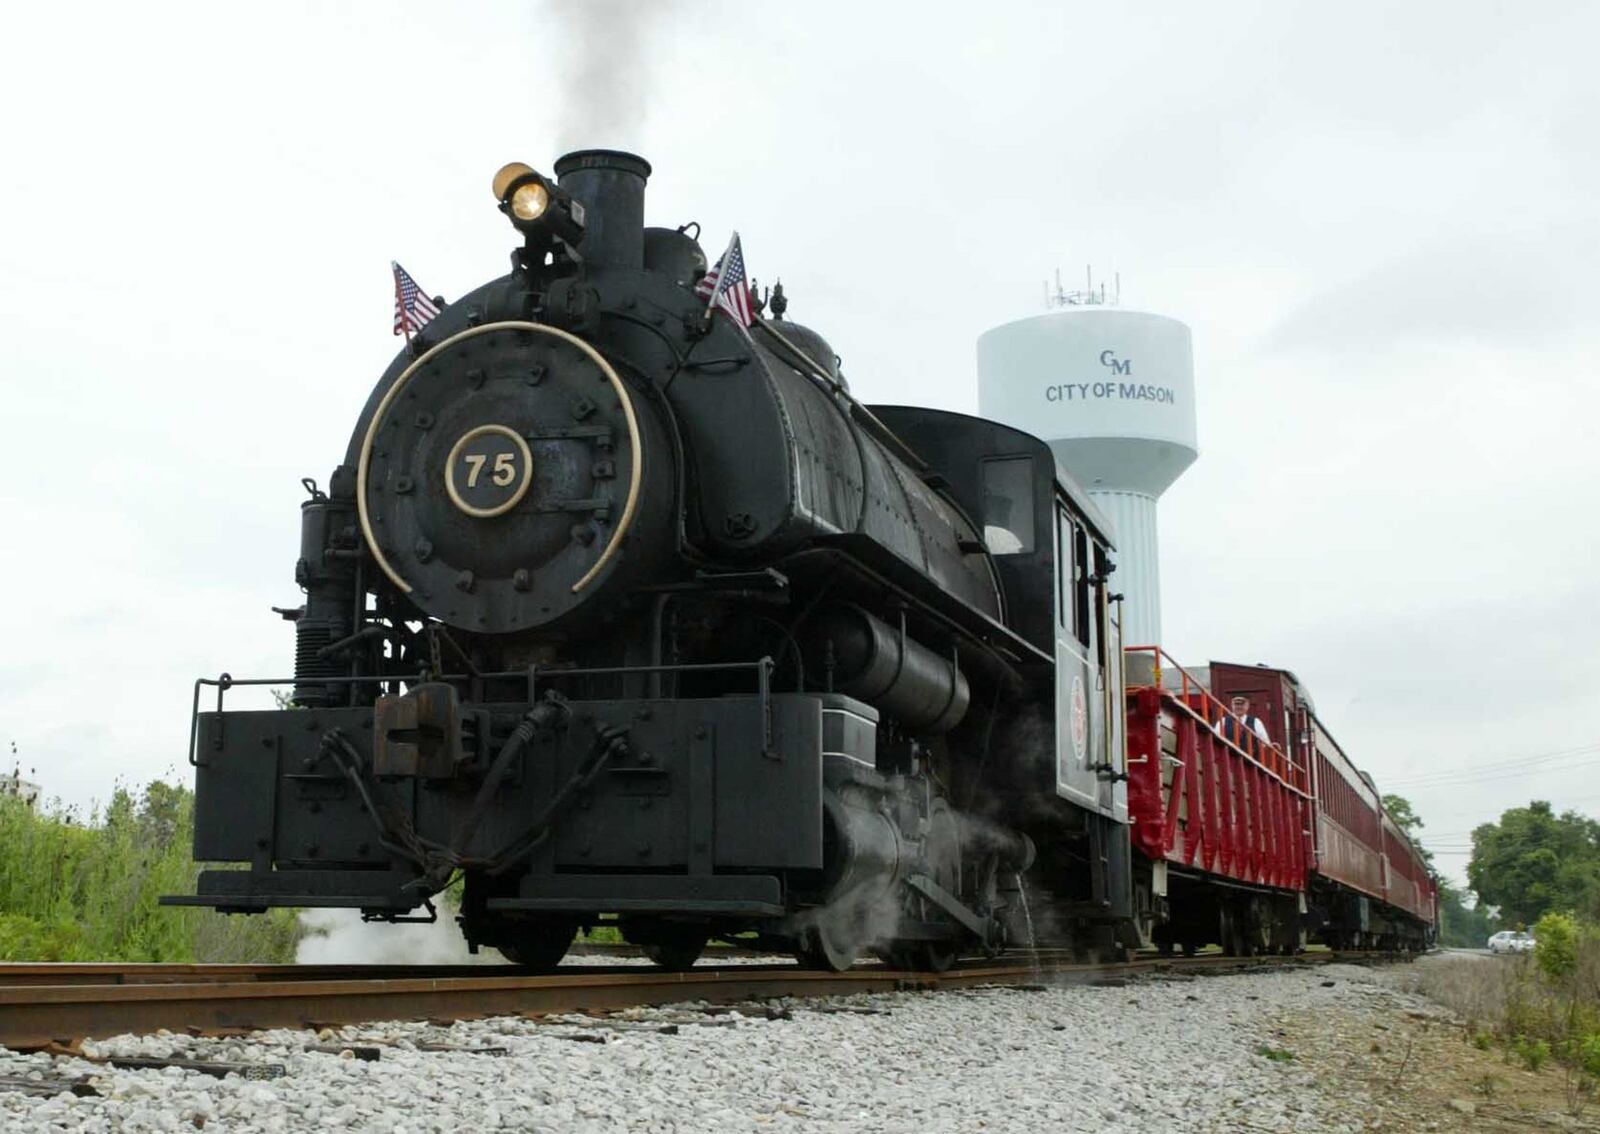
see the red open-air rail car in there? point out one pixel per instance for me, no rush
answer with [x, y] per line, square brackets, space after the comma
[1262, 843]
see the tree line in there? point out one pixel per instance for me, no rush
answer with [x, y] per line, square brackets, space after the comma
[1529, 863]
[1533, 862]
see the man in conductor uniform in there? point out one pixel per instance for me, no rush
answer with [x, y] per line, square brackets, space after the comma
[1239, 719]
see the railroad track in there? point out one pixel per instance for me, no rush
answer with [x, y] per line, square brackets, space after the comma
[58, 1005]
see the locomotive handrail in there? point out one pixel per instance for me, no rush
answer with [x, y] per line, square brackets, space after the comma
[1196, 699]
[764, 668]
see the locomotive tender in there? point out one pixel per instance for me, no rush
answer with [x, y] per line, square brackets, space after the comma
[615, 610]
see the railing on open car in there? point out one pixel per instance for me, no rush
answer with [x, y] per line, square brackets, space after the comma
[1197, 699]
[533, 674]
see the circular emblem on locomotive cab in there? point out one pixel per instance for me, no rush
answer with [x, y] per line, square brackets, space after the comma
[488, 471]
[1079, 713]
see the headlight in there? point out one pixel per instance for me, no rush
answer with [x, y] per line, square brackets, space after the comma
[536, 205]
[509, 175]
[529, 201]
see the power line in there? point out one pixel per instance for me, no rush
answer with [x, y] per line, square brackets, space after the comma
[1504, 769]
[1452, 844]
[1510, 774]
[1516, 761]
[1561, 761]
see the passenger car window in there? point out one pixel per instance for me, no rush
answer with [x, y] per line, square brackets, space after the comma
[1008, 505]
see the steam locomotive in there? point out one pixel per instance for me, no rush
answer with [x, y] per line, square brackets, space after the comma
[620, 612]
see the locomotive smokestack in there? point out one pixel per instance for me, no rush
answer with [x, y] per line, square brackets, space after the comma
[610, 184]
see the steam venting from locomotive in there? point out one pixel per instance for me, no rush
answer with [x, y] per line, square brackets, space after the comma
[609, 50]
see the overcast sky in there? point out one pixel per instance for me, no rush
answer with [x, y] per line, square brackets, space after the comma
[1380, 221]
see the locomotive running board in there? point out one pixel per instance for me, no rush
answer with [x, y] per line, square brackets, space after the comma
[256, 891]
[723, 895]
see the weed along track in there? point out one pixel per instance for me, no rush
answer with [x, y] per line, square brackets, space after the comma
[57, 1005]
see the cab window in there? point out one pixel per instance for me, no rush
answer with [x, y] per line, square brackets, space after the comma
[1072, 575]
[1066, 606]
[1102, 568]
[1008, 505]
[1080, 582]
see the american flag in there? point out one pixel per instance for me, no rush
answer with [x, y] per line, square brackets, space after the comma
[725, 285]
[412, 307]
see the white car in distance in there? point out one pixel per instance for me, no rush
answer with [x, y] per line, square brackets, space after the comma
[1511, 941]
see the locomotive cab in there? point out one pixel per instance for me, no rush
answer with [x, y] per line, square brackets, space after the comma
[1062, 758]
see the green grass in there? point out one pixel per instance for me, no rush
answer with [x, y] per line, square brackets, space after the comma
[75, 889]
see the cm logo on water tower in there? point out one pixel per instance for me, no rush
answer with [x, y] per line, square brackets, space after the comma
[1108, 358]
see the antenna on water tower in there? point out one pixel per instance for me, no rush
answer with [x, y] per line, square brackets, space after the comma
[1090, 296]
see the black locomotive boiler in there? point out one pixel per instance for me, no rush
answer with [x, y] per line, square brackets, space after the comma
[623, 613]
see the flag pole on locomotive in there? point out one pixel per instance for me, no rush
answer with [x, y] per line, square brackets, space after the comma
[413, 310]
[726, 285]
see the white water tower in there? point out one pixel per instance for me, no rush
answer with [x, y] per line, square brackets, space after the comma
[1112, 393]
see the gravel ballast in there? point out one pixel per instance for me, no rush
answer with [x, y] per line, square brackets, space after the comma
[1151, 1055]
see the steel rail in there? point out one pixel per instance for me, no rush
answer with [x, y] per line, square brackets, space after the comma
[45, 1005]
[113, 972]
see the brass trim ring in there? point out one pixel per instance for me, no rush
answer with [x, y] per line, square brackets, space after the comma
[635, 480]
[450, 472]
